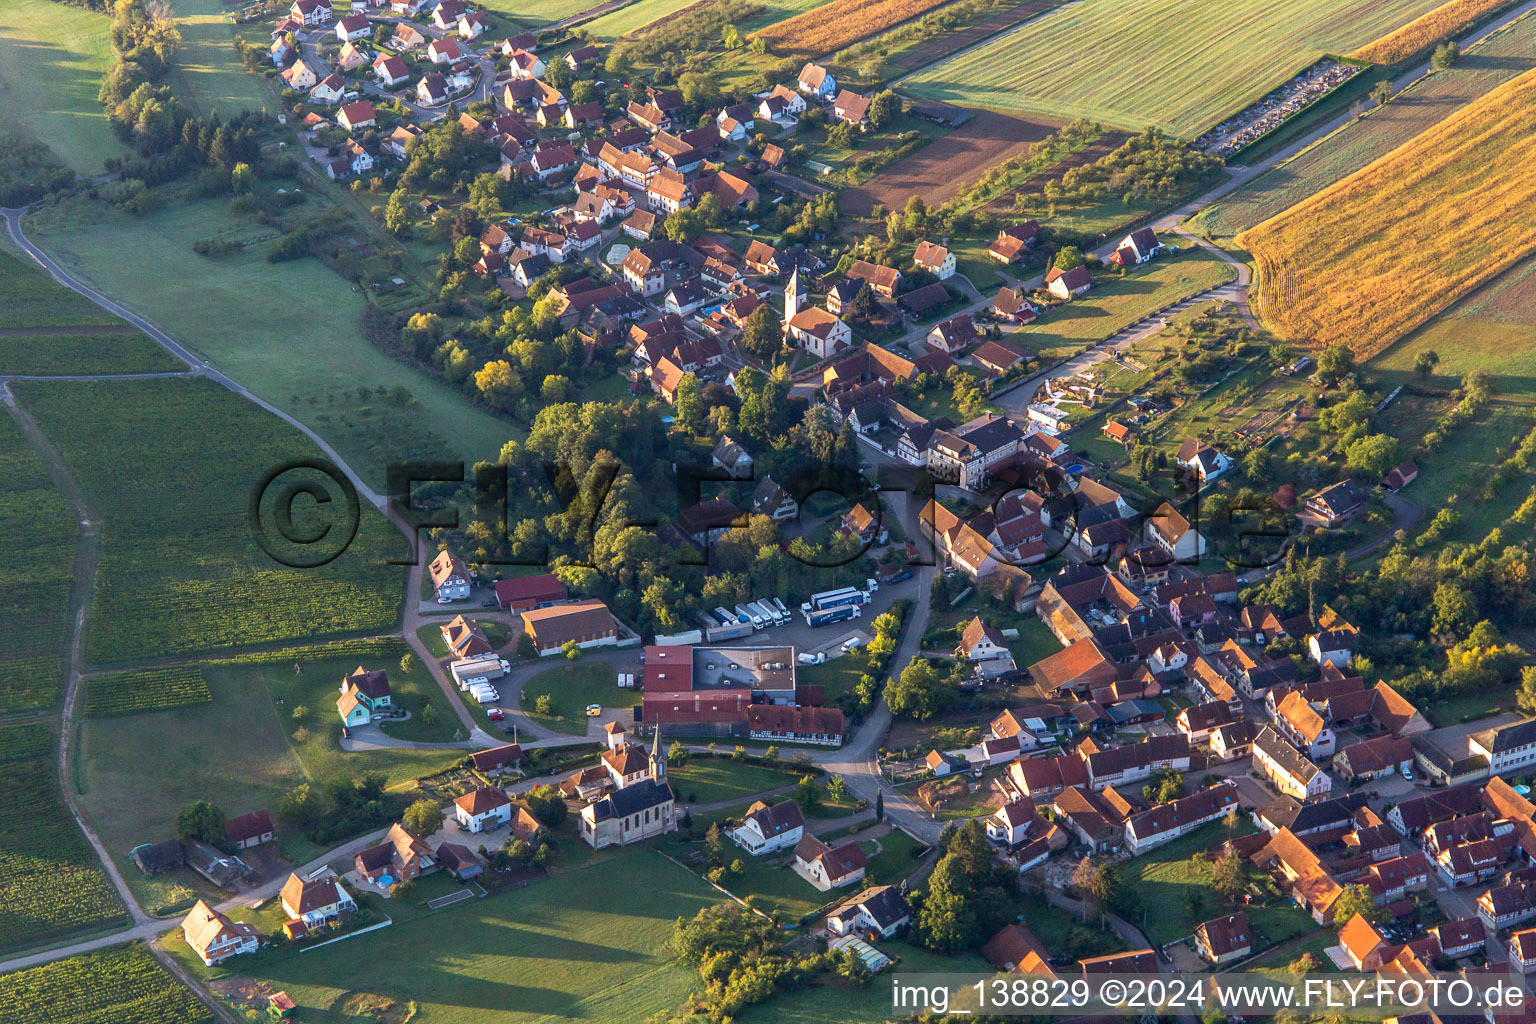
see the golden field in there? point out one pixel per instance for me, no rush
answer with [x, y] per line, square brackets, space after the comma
[840, 23]
[1380, 252]
[1423, 32]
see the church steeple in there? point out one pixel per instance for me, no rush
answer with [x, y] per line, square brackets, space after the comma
[793, 295]
[658, 760]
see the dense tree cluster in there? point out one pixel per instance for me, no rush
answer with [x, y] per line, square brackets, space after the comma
[971, 894]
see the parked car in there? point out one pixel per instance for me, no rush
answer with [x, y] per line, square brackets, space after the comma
[496, 714]
[593, 710]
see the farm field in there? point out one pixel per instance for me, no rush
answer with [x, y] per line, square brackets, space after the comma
[534, 13]
[37, 555]
[1115, 303]
[1426, 30]
[51, 884]
[584, 945]
[207, 75]
[120, 985]
[180, 570]
[908, 47]
[1137, 63]
[1493, 330]
[61, 354]
[151, 689]
[1444, 227]
[939, 172]
[47, 329]
[631, 18]
[288, 331]
[52, 57]
[1503, 56]
[838, 24]
[570, 689]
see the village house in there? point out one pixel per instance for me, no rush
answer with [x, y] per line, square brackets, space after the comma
[1167, 822]
[1204, 461]
[1012, 306]
[817, 81]
[1013, 241]
[878, 910]
[953, 336]
[1287, 768]
[357, 116]
[828, 867]
[399, 858]
[482, 810]
[1137, 247]
[364, 694]
[253, 829]
[214, 937]
[1300, 870]
[935, 259]
[767, 828]
[314, 902]
[352, 27]
[1224, 939]
[1068, 284]
[311, 12]
[1336, 503]
[450, 577]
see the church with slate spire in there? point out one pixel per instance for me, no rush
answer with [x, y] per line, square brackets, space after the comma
[638, 807]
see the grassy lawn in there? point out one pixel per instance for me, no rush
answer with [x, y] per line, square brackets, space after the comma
[895, 861]
[1115, 303]
[1277, 959]
[1468, 706]
[1095, 55]
[207, 75]
[52, 58]
[1036, 641]
[774, 887]
[837, 676]
[1165, 876]
[583, 945]
[1508, 53]
[570, 689]
[243, 751]
[257, 322]
[181, 571]
[711, 780]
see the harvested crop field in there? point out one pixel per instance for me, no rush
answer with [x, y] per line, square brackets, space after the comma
[830, 27]
[1423, 32]
[1376, 255]
[940, 170]
[1506, 54]
[1182, 65]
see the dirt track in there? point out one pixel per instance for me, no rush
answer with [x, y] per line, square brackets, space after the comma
[943, 168]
